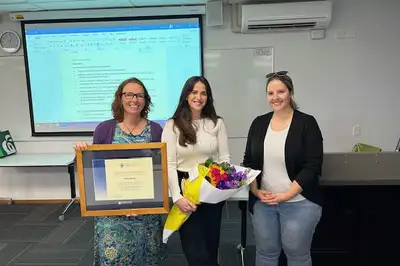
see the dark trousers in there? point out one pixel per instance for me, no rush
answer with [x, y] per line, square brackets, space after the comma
[200, 234]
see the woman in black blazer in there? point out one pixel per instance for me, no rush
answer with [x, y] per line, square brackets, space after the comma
[285, 199]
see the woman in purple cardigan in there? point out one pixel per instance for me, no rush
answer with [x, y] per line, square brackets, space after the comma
[128, 240]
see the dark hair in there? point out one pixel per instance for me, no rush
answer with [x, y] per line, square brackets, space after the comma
[117, 107]
[183, 115]
[285, 79]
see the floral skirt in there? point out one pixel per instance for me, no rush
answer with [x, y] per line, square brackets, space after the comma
[128, 241]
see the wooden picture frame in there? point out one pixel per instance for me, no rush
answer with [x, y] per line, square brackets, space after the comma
[93, 181]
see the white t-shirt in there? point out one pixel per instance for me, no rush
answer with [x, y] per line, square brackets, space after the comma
[212, 141]
[275, 177]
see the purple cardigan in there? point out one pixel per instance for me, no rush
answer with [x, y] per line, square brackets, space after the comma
[104, 132]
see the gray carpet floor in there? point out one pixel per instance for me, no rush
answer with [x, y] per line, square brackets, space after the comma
[32, 235]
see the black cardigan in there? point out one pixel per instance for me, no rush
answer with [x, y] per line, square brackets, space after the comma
[303, 153]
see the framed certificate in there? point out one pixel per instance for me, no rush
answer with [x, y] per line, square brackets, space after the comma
[121, 179]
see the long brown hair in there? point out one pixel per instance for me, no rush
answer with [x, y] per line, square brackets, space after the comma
[285, 79]
[183, 115]
[117, 107]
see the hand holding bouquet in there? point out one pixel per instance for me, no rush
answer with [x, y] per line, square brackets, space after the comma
[210, 182]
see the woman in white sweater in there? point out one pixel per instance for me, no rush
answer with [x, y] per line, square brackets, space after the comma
[194, 134]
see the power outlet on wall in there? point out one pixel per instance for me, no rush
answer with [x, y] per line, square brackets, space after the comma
[356, 130]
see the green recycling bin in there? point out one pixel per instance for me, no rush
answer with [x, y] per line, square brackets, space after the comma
[7, 146]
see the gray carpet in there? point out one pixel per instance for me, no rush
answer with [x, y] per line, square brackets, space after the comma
[32, 235]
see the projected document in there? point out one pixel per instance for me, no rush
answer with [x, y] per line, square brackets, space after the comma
[75, 68]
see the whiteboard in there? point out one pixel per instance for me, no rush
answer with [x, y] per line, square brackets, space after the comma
[237, 79]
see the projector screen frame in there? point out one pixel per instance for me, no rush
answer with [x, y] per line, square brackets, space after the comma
[110, 19]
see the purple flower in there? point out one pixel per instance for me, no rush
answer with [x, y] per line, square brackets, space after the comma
[232, 184]
[240, 176]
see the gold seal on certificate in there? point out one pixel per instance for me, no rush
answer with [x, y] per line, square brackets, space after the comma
[121, 179]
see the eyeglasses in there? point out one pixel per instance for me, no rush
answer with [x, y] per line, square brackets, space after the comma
[131, 95]
[277, 74]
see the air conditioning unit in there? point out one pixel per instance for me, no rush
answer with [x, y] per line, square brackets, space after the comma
[313, 15]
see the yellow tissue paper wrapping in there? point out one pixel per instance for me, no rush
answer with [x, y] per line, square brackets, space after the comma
[197, 189]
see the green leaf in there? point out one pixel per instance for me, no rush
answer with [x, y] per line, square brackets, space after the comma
[209, 161]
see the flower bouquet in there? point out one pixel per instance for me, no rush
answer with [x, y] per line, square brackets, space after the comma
[210, 182]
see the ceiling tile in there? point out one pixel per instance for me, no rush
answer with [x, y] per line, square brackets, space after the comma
[166, 2]
[61, 1]
[10, 2]
[49, 1]
[82, 4]
[17, 7]
[33, 5]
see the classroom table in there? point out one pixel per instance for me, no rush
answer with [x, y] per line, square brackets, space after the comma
[45, 160]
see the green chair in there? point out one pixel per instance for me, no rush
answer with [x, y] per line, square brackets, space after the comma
[362, 147]
[7, 146]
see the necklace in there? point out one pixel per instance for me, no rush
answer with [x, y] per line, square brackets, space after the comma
[133, 128]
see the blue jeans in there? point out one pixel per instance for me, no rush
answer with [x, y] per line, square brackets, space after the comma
[288, 225]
